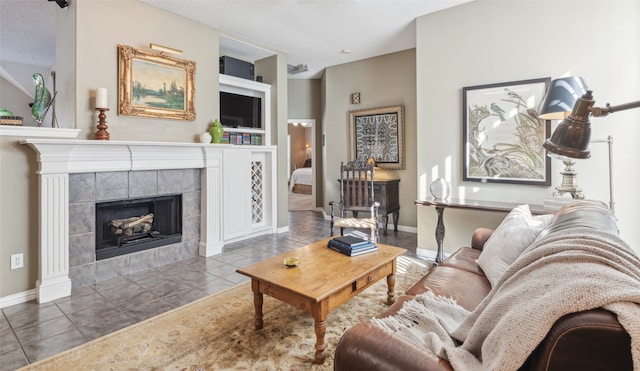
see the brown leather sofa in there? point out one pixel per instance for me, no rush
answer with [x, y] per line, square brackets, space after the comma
[590, 340]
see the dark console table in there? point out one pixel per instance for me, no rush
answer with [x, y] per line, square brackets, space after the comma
[386, 192]
[455, 203]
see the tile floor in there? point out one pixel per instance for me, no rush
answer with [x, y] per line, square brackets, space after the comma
[30, 331]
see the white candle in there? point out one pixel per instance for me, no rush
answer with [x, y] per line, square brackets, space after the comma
[101, 98]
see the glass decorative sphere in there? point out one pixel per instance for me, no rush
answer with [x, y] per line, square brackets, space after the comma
[440, 189]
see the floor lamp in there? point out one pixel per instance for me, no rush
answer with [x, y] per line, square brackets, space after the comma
[572, 136]
[557, 105]
[609, 141]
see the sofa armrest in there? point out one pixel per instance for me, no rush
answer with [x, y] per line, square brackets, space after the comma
[588, 340]
[366, 347]
[479, 237]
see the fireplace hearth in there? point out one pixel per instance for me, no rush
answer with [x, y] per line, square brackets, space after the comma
[131, 225]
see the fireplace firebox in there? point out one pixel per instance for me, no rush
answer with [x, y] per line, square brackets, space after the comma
[131, 225]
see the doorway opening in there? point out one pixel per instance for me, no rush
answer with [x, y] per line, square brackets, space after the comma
[301, 165]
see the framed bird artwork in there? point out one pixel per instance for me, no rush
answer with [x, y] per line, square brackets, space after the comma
[502, 134]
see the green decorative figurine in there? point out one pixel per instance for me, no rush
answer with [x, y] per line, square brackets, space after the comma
[216, 131]
[42, 99]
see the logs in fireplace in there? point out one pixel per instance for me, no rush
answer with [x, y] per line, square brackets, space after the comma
[131, 225]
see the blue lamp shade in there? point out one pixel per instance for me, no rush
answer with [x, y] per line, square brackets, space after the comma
[561, 97]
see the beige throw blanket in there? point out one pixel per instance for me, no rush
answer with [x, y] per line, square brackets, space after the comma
[568, 271]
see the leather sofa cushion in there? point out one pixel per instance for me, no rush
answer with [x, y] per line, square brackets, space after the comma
[465, 258]
[466, 288]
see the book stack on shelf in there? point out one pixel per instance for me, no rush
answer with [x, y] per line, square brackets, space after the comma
[11, 120]
[351, 245]
[241, 138]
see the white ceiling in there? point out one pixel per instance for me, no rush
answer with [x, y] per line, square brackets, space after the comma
[28, 32]
[311, 32]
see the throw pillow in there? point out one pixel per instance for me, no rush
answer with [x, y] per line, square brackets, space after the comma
[515, 233]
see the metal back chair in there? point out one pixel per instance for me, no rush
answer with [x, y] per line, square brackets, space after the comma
[356, 195]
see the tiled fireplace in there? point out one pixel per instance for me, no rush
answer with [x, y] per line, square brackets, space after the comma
[96, 254]
[74, 175]
[136, 224]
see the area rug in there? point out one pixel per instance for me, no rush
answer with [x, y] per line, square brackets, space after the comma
[217, 333]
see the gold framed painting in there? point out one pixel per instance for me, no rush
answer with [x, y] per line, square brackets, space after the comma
[153, 84]
[378, 133]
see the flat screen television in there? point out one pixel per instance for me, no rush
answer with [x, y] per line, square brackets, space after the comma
[240, 111]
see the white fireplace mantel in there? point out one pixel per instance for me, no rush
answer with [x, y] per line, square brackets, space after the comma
[57, 158]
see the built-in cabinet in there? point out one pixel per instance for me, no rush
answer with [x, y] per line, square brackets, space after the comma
[251, 136]
[249, 192]
[249, 179]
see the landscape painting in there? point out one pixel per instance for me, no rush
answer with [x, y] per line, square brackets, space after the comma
[153, 84]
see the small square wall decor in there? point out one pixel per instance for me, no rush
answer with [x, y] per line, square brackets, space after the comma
[355, 98]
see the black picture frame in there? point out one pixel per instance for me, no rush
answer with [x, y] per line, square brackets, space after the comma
[502, 136]
[378, 133]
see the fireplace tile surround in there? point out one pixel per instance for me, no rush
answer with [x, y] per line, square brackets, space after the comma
[85, 189]
[65, 183]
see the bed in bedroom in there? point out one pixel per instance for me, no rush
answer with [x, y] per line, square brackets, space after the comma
[301, 180]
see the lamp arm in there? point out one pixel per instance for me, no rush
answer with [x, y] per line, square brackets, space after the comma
[603, 111]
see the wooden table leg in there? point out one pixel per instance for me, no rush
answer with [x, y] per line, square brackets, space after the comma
[385, 222]
[321, 329]
[320, 313]
[258, 299]
[391, 285]
[396, 216]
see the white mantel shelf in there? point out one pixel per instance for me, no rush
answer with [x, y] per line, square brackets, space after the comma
[37, 132]
[81, 156]
[57, 158]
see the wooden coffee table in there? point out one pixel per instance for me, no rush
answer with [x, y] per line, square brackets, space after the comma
[323, 281]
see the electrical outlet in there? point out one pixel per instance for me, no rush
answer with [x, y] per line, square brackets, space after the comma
[17, 261]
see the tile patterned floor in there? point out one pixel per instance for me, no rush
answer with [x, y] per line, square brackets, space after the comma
[30, 331]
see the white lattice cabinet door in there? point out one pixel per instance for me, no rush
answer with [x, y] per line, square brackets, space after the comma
[249, 192]
[257, 190]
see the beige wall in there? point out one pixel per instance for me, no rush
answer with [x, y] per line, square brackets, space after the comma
[488, 42]
[135, 24]
[94, 29]
[274, 71]
[382, 81]
[304, 101]
[18, 219]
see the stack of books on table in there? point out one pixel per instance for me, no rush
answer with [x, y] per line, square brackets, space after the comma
[351, 246]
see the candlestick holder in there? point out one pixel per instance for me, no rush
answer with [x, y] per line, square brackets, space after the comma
[102, 133]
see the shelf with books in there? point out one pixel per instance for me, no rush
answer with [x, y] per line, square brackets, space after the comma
[242, 138]
[260, 135]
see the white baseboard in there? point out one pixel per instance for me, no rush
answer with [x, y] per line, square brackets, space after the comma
[21, 297]
[283, 229]
[429, 254]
